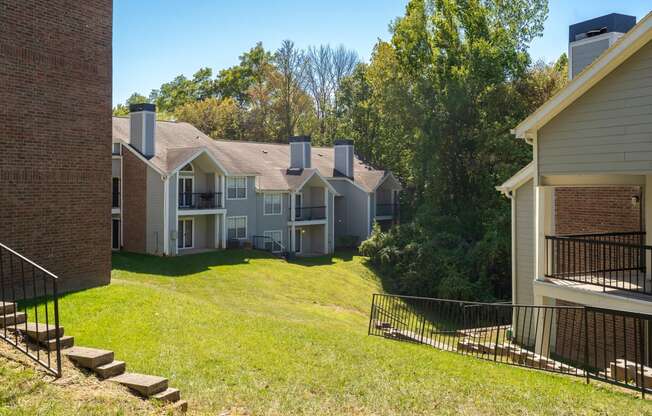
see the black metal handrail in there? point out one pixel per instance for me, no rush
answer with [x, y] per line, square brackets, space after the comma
[115, 201]
[610, 260]
[267, 243]
[29, 301]
[607, 345]
[386, 210]
[310, 213]
[200, 200]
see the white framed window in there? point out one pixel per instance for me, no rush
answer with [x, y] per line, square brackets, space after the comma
[273, 242]
[236, 227]
[236, 187]
[272, 203]
[186, 233]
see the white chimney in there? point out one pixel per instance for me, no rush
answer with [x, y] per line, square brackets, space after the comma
[344, 157]
[142, 125]
[300, 152]
[588, 39]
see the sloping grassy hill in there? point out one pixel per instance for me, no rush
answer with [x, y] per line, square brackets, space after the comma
[239, 329]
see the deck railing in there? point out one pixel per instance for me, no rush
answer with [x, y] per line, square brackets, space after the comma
[310, 213]
[609, 260]
[200, 200]
[29, 309]
[592, 343]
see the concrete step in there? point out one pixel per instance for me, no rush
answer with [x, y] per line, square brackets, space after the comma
[112, 369]
[12, 319]
[168, 395]
[65, 342]
[90, 358]
[7, 307]
[40, 332]
[144, 384]
[181, 405]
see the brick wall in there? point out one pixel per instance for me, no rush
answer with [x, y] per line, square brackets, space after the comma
[593, 210]
[55, 136]
[134, 202]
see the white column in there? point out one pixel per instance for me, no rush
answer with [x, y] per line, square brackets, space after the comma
[223, 231]
[293, 203]
[646, 200]
[216, 238]
[543, 226]
[166, 215]
[326, 204]
[222, 189]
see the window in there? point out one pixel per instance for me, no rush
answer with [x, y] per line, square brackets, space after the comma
[272, 204]
[236, 228]
[236, 187]
[185, 192]
[116, 149]
[115, 184]
[273, 243]
[298, 202]
[185, 233]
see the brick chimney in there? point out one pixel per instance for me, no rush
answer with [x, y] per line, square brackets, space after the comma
[300, 152]
[142, 125]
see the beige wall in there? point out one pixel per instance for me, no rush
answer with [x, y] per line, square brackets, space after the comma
[524, 244]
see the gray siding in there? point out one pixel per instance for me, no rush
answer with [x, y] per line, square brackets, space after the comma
[272, 222]
[172, 197]
[608, 129]
[583, 55]
[245, 207]
[154, 226]
[524, 256]
[351, 216]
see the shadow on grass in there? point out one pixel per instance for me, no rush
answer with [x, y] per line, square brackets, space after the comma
[340, 255]
[183, 265]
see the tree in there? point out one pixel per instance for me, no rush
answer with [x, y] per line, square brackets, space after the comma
[123, 109]
[291, 68]
[218, 118]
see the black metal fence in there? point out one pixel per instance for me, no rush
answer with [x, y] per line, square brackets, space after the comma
[609, 260]
[267, 243]
[200, 200]
[310, 213]
[29, 309]
[606, 345]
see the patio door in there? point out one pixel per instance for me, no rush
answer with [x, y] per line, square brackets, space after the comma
[298, 236]
[298, 202]
[185, 233]
[185, 192]
[115, 234]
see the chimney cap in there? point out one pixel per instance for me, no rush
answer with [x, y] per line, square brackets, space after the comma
[299, 139]
[142, 107]
[343, 142]
[614, 22]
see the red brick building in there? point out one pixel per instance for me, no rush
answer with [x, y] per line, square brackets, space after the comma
[55, 136]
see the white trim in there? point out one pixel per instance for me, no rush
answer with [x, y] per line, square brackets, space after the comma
[350, 181]
[327, 205]
[625, 47]
[368, 215]
[280, 195]
[144, 159]
[514, 252]
[384, 178]
[236, 192]
[519, 179]
[166, 215]
[307, 222]
[235, 217]
[179, 188]
[316, 172]
[183, 236]
[280, 240]
[223, 229]
[612, 37]
[195, 156]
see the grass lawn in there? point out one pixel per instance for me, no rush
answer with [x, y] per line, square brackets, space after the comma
[239, 329]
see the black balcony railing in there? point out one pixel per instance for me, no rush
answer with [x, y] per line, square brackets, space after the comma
[115, 201]
[310, 213]
[386, 210]
[200, 200]
[29, 310]
[601, 344]
[609, 260]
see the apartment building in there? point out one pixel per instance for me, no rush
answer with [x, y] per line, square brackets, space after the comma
[582, 209]
[177, 191]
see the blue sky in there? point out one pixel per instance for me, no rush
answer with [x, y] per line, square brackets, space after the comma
[155, 40]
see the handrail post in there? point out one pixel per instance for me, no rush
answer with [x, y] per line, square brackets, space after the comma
[55, 294]
[586, 344]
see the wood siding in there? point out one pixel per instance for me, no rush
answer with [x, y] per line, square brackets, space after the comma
[608, 129]
[524, 257]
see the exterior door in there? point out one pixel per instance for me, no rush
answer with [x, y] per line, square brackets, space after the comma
[185, 192]
[185, 233]
[298, 201]
[115, 234]
[297, 240]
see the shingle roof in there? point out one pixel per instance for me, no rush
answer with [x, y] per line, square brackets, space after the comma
[176, 142]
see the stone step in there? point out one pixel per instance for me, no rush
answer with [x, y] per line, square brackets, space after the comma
[144, 384]
[40, 332]
[12, 319]
[168, 395]
[65, 342]
[112, 369]
[7, 307]
[181, 405]
[90, 358]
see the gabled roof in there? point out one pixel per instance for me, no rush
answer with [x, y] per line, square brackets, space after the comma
[176, 141]
[520, 178]
[610, 59]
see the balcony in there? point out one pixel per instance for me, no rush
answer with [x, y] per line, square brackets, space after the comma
[310, 213]
[608, 262]
[200, 200]
[387, 210]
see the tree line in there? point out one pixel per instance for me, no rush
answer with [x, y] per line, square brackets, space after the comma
[434, 104]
